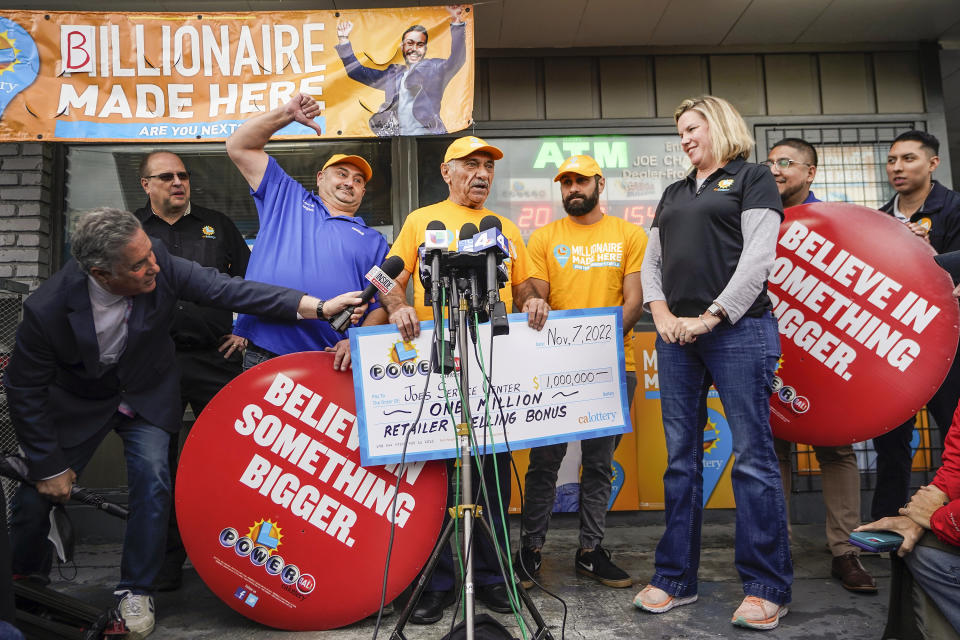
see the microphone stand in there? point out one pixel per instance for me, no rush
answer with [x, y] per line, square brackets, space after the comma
[465, 509]
[460, 299]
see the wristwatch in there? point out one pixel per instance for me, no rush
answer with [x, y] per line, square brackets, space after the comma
[320, 304]
[716, 310]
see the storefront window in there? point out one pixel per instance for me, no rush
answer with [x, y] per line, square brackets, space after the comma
[106, 175]
[637, 170]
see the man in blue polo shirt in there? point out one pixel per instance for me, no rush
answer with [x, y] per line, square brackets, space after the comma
[793, 162]
[310, 241]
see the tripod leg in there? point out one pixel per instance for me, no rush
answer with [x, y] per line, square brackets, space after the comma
[422, 581]
[542, 631]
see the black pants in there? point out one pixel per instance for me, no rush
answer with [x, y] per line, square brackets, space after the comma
[203, 372]
[944, 402]
[894, 463]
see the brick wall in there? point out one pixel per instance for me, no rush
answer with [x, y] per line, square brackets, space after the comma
[26, 196]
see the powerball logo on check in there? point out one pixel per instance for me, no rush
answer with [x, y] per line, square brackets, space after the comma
[404, 360]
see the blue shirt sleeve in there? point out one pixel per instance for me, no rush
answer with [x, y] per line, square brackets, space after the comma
[276, 190]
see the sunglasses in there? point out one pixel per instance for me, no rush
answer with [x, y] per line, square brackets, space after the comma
[783, 163]
[168, 177]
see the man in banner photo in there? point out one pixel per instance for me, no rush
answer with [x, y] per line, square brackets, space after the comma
[306, 240]
[588, 259]
[793, 162]
[412, 91]
[467, 168]
[931, 211]
[93, 354]
[208, 354]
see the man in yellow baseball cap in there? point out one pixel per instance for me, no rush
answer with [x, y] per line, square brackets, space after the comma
[467, 168]
[587, 259]
[313, 242]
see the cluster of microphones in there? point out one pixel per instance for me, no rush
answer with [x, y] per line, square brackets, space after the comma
[466, 279]
[474, 272]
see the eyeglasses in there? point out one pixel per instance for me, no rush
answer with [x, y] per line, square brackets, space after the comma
[168, 176]
[782, 163]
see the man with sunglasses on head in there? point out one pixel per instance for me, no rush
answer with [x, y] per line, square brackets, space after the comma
[414, 90]
[208, 354]
[793, 162]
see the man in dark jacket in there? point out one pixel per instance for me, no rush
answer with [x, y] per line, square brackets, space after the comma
[208, 354]
[933, 212]
[412, 91]
[93, 354]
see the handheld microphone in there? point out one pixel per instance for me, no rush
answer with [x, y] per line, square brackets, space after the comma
[381, 279]
[465, 244]
[436, 241]
[465, 239]
[436, 238]
[491, 241]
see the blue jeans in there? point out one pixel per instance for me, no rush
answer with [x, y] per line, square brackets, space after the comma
[740, 360]
[148, 478]
[938, 574]
[254, 355]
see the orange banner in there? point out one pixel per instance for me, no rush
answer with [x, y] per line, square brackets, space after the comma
[165, 76]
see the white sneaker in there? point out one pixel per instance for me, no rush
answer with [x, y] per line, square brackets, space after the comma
[137, 612]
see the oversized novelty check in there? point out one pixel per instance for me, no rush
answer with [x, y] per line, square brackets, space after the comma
[566, 382]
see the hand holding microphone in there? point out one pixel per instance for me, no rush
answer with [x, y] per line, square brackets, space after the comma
[381, 279]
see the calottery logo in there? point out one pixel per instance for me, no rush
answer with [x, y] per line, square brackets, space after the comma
[724, 185]
[208, 232]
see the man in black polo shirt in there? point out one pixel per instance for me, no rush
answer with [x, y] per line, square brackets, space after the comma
[931, 211]
[208, 354]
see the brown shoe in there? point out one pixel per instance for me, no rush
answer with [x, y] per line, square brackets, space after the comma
[851, 574]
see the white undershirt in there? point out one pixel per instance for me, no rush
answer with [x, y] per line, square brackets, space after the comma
[109, 321]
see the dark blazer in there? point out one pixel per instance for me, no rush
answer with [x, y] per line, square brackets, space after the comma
[211, 239]
[60, 395]
[428, 81]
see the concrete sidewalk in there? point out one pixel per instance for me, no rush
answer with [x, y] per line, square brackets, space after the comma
[821, 608]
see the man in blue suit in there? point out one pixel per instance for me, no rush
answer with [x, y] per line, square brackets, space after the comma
[412, 91]
[93, 354]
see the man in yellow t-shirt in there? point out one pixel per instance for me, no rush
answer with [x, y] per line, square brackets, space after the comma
[588, 259]
[467, 168]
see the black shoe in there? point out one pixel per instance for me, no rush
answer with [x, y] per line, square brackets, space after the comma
[596, 564]
[526, 565]
[430, 607]
[495, 597]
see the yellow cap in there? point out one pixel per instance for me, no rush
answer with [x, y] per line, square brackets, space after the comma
[462, 147]
[582, 165]
[357, 161]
